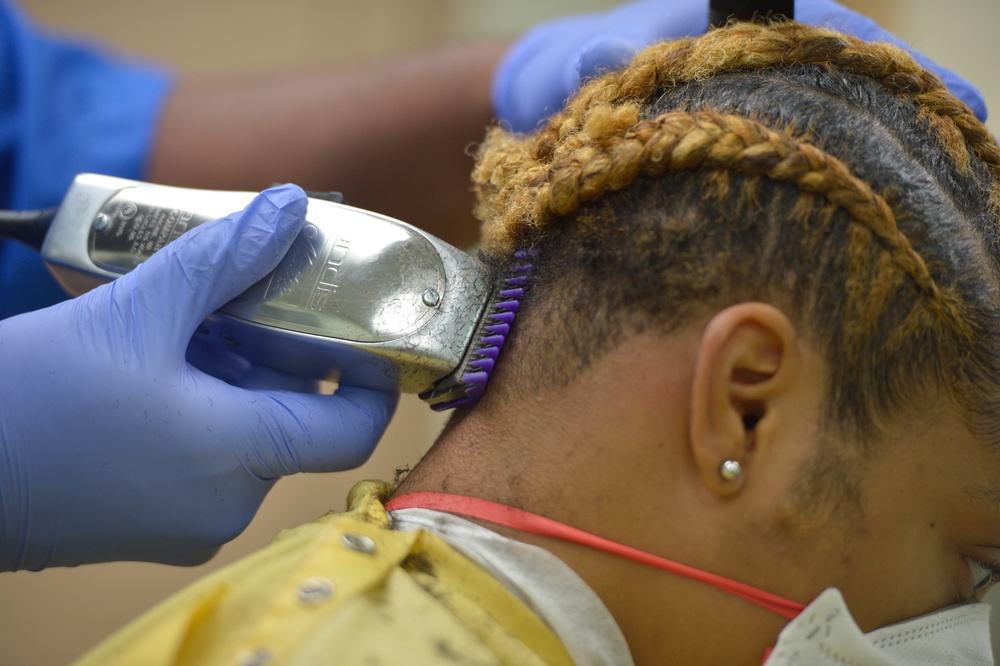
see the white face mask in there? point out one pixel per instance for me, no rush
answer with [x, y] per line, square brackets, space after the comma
[825, 633]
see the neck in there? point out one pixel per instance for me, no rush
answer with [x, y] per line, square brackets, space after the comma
[609, 463]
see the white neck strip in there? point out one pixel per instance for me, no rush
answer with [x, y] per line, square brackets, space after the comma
[544, 582]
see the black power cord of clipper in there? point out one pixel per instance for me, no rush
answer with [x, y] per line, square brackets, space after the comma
[721, 11]
[27, 226]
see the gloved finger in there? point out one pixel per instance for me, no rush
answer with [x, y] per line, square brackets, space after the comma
[166, 297]
[293, 432]
[598, 56]
[260, 378]
[213, 358]
[636, 25]
[216, 358]
[829, 14]
[524, 90]
[546, 65]
[645, 22]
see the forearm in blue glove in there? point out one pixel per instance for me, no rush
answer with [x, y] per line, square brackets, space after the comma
[546, 65]
[113, 447]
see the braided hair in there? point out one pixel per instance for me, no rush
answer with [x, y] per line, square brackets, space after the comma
[779, 162]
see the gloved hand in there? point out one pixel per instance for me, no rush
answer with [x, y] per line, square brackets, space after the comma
[546, 65]
[113, 447]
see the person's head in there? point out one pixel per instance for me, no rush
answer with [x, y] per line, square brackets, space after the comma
[771, 244]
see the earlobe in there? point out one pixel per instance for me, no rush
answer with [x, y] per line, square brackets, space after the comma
[746, 360]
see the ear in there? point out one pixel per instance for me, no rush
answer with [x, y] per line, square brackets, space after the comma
[747, 359]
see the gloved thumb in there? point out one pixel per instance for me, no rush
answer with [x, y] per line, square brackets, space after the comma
[600, 55]
[173, 291]
[288, 432]
[835, 16]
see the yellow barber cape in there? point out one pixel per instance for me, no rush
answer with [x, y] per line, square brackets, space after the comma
[345, 589]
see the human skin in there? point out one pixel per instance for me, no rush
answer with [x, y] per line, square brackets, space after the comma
[631, 449]
[343, 129]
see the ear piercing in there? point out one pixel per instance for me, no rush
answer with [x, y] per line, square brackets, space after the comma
[730, 470]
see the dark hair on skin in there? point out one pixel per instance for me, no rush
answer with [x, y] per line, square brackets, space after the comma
[781, 163]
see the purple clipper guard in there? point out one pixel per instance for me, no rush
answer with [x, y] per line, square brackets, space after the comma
[466, 385]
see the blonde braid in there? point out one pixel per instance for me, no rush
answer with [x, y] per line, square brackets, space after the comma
[681, 141]
[512, 171]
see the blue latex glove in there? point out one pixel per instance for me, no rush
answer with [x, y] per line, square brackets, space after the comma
[113, 447]
[546, 65]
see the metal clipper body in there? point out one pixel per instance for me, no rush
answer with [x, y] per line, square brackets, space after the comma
[360, 297]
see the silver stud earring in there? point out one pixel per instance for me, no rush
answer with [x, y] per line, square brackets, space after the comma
[730, 470]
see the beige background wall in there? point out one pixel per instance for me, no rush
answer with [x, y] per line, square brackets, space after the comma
[50, 617]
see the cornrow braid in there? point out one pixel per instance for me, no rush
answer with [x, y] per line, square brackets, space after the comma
[679, 141]
[782, 163]
[510, 169]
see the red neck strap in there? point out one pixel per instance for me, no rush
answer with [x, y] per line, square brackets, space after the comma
[524, 521]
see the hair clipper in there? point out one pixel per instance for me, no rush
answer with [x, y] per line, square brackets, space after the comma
[359, 297]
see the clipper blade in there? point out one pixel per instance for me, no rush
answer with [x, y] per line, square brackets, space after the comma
[466, 385]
